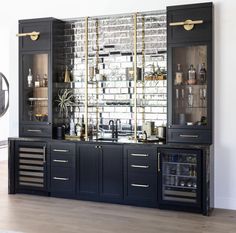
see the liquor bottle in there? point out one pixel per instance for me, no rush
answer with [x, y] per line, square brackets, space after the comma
[72, 128]
[202, 74]
[30, 79]
[78, 128]
[190, 97]
[178, 75]
[45, 80]
[37, 81]
[90, 129]
[192, 75]
[82, 136]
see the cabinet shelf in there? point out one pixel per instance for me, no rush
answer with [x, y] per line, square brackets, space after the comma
[180, 187]
[182, 176]
[176, 163]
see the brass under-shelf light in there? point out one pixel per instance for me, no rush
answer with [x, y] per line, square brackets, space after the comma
[33, 35]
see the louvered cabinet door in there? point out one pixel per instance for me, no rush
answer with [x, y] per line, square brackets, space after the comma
[31, 166]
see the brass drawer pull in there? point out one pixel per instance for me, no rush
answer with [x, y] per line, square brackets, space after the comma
[63, 151]
[60, 161]
[188, 136]
[140, 185]
[139, 155]
[158, 162]
[60, 178]
[187, 24]
[33, 35]
[139, 166]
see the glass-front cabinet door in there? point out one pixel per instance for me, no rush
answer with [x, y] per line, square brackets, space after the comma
[190, 84]
[180, 177]
[35, 88]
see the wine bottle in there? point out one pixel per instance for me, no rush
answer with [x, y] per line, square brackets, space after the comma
[78, 128]
[202, 74]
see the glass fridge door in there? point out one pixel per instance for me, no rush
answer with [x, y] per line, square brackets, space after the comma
[180, 176]
[35, 87]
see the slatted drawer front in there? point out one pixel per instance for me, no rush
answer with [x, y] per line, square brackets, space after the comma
[31, 166]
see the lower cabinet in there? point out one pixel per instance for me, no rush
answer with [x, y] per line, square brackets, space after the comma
[178, 177]
[100, 172]
[63, 169]
[141, 175]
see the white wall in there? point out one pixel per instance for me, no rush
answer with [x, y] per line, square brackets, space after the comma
[225, 81]
[4, 68]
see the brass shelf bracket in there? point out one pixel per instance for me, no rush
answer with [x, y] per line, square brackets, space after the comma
[187, 24]
[33, 35]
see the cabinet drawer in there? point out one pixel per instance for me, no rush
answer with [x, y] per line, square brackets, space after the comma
[42, 43]
[141, 155]
[63, 148]
[192, 12]
[190, 136]
[62, 180]
[142, 186]
[140, 166]
[28, 130]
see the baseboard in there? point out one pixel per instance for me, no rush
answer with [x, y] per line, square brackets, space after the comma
[225, 203]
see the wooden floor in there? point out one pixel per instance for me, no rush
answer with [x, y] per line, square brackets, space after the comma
[34, 214]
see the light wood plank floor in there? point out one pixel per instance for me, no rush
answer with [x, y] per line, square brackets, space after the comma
[34, 214]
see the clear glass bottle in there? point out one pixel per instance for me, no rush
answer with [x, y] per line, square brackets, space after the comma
[30, 79]
[72, 128]
[78, 128]
[190, 97]
[178, 75]
[192, 75]
[202, 74]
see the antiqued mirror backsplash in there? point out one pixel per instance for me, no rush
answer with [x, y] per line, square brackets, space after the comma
[111, 91]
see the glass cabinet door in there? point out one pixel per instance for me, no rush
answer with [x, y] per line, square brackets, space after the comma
[180, 178]
[190, 80]
[34, 87]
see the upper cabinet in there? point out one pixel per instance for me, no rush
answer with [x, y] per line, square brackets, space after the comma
[190, 81]
[38, 64]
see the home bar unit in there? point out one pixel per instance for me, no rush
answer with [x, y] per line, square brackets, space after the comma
[117, 109]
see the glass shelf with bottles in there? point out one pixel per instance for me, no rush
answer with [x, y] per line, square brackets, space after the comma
[179, 178]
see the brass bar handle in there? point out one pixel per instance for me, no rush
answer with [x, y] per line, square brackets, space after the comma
[188, 136]
[187, 24]
[139, 166]
[140, 185]
[158, 162]
[63, 151]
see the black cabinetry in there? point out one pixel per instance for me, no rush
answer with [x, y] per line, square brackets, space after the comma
[190, 78]
[100, 172]
[31, 167]
[63, 169]
[141, 175]
[38, 50]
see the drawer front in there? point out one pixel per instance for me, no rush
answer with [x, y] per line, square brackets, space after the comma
[190, 136]
[195, 13]
[62, 180]
[141, 155]
[42, 43]
[143, 187]
[140, 166]
[28, 130]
